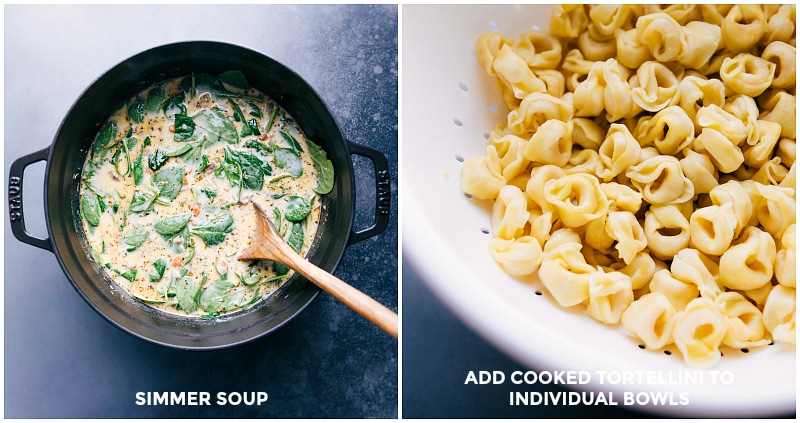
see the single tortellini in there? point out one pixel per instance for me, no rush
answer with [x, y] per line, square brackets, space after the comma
[578, 198]
[539, 49]
[784, 56]
[550, 144]
[565, 274]
[670, 130]
[536, 109]
[514, 72]
[589, 96]
[748, 264]
[487, 47]
[656, 86]
[618, 152]
[677, 292]
[584, 161]
[622, 197]
[661, 180]
[623, 227]
[695, 92]
[781, 25]
[780, 314]
[727, 124]
[692, 266]
[771, 172]
[702, 41]
[510, 151]
[518, 257]
[641, 269]
[739, 196]
[780, 107]
[610, 294]
[745, 322]
[535, 191]
[663, 36]
[700, 170]
[481, 176]
[631, 52]
[666, 230]
[650, 318]
[726, 155]
[568, 20]
[711, 228]
[698, 333]
[586, 133]
[761, 143]
[786, 258]
[743, 27]
[776, 208]
[617, 97]
[509, 213]
[747, 74]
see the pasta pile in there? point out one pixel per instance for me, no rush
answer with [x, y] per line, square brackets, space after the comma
[646, 171]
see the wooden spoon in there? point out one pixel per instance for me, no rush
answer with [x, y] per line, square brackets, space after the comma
[269, 245]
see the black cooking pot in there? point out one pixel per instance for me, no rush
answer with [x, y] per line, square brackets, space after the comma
[65, 158]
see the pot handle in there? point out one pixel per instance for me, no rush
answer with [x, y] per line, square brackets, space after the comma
[383, 191]
[15, 199]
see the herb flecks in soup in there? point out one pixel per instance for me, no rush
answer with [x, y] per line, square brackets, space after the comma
[164, 186]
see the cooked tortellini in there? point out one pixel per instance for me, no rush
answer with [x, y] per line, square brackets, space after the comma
[645, 170]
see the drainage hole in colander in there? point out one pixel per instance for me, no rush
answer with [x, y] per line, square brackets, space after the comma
[486, 135]
[492, 107]
[485, 231]
[467, 195]
[667, 352]
[458, 122]
[537, 292]
[463, 86]
[459, 158]
[641, 346]
[493, 26]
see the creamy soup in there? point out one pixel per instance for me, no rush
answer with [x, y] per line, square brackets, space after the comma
[167, 185]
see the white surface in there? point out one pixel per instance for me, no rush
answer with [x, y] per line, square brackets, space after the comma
[449, 105]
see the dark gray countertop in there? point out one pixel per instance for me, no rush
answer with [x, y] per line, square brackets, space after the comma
[64, 360]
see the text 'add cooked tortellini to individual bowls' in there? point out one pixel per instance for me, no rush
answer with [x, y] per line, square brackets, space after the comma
[646, 170]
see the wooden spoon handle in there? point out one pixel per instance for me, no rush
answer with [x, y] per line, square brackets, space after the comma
[362, 303]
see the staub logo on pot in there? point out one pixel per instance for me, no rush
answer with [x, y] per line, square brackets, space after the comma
[15, 198]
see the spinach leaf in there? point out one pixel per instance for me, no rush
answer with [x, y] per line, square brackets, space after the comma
[154, 162]
[90, 208]
[105, 137]
[214, 127]
[292, 142]
[197, 80]
[259, 146]
[253, 169]
[160, 267]
[203, 163]
[220, 296]
[175, 105]
[154, 99]
[256, 110]
[272, 117]
[135, 238]
[178, 151]
[136, 110]
[185, 293]
[214, 231]
[296, 237]
[171, 225]
[297, 209]
[209, 193]
[172, 177]
[288, 160]
[234, 78]
[324, 168]
[233, 172]
[238, 116]
[137, 170]
[143, 200]
[129, 275]
[184, 127]
[252, 126]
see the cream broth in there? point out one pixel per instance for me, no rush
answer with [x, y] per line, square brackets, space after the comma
[166, 187]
